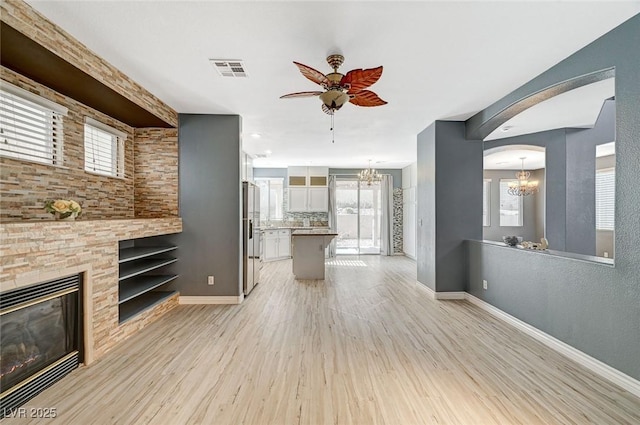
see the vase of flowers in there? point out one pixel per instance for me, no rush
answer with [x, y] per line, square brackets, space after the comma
[63, 209]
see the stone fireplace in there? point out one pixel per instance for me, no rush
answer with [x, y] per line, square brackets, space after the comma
[41, 338]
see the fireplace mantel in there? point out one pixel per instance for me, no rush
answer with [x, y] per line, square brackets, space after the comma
[36, 251]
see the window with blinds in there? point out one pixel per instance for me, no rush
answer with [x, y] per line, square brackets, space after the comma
[103, 149]
[486, 203]
[510, 206]
[31, 127]
[605, 199]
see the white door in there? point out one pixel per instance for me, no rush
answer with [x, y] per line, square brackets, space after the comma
[297, 199]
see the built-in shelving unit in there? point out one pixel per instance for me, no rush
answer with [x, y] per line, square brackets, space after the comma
[140, 276]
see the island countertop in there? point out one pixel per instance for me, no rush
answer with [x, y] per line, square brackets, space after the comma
[314, 232]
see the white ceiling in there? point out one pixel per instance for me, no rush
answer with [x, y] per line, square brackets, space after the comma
[442, 60]
[577, 108]
[510, 158]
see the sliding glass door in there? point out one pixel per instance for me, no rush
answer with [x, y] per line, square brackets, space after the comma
[358, 216]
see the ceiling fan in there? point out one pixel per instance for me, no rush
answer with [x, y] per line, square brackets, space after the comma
[341, 88]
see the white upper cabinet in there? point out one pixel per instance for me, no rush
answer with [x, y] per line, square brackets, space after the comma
[318, 176]
[308, 189]
[298, 176]
[318, 199]
[298, 199]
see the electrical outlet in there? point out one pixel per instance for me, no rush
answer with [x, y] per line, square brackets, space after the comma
[211, 281]
[484, 284]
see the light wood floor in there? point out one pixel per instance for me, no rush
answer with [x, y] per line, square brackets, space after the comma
[366, 346]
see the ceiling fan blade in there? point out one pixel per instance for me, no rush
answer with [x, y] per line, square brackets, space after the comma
[312, 74]
[366, 98]
[359, 79]
[326, 109]
[301, 94]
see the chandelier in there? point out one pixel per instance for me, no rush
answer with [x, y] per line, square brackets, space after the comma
[369, 175]
[522, 187]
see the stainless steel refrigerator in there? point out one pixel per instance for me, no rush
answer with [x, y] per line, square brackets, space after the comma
[251, 246]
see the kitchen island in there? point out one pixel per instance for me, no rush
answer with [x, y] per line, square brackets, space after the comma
[308, 252]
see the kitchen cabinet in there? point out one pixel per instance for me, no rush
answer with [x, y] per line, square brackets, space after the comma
[308, 189]
[318, 199]
[298, 199]
[277, 244]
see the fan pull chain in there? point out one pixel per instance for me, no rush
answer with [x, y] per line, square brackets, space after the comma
[333, 131]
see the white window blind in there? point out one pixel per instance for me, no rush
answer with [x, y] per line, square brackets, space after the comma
[31, 127]
[605, 199]
[486, 203]
[510, 206]
[103, 149]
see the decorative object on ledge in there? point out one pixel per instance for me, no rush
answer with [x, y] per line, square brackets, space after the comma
[544, 244]
[523, 187]
[369, 175]
[63, 209]
[512, 240]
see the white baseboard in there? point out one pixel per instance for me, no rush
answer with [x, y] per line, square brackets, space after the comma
[450, 295]
[441, 295]
[596, 366]
[185, 299]
[430, 292]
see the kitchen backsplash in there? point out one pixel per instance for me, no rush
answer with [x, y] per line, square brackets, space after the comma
[297, 218]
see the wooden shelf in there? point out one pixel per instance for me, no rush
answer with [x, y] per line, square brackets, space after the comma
[141, 284]
[142, 303]
[140, 277]
[136, 253]
[135, 268]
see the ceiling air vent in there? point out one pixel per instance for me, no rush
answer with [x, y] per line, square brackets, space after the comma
[260, 155]
[230, 67]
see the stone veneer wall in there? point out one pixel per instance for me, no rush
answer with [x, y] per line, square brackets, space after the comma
[25, 185]
[30, 22]
[397, 221]
[156, 172]
[37, 251]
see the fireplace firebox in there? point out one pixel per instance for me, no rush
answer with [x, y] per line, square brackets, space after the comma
[40, 338]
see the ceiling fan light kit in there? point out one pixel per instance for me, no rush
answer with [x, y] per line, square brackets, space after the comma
[341, 88]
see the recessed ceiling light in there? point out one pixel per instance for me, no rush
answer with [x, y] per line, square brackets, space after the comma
[506, 128]
[268, 152]
[256, 135]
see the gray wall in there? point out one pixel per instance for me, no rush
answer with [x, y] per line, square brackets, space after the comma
[591, 306]
[210, 205]
[581, 180]
[397, 174]
[449, 203]
[282, 172]
[530, 220]
[272, 173]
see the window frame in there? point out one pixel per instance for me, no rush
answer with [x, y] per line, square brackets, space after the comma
[520, 204]
[118, 139]
[51, 144]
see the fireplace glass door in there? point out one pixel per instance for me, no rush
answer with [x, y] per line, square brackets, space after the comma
[40, 338]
